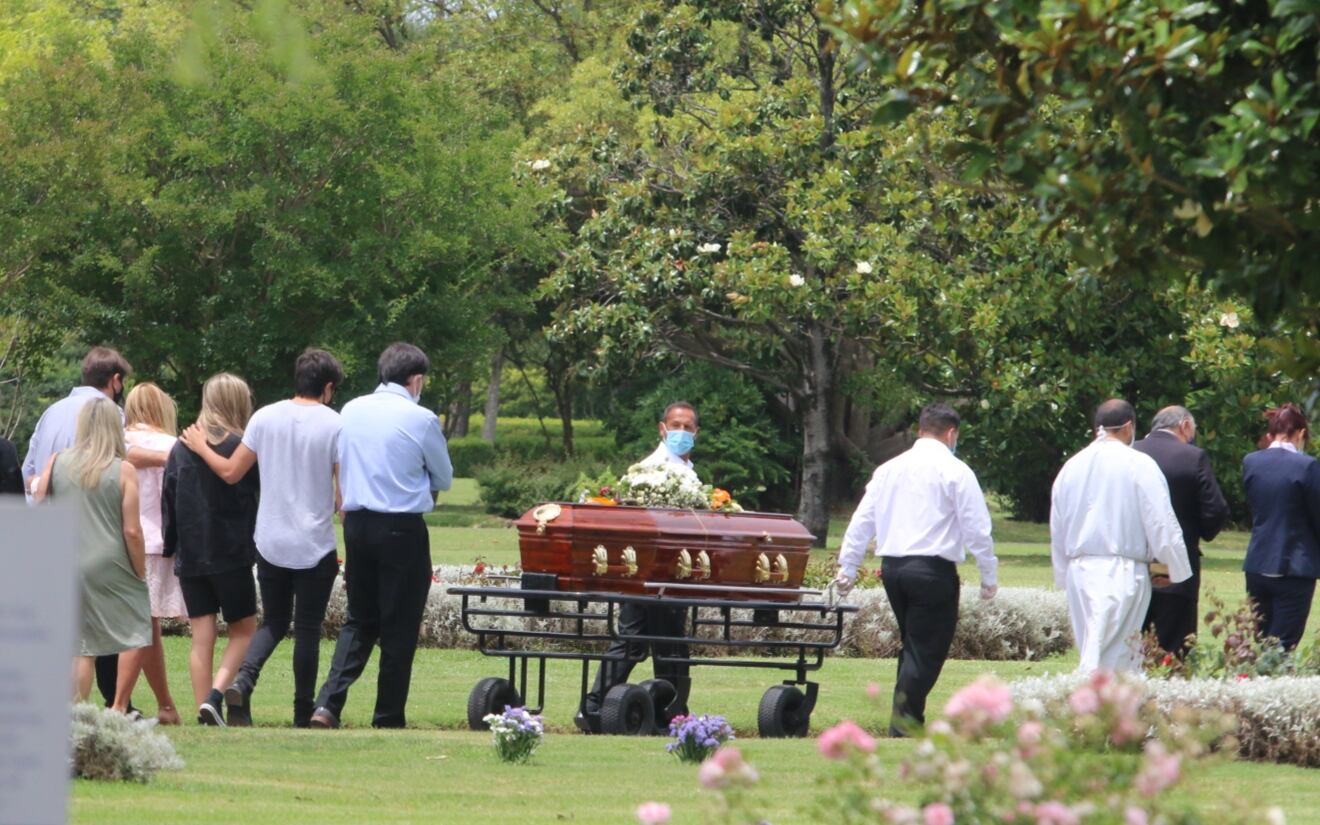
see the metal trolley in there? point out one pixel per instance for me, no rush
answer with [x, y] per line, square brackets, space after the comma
[583, 624]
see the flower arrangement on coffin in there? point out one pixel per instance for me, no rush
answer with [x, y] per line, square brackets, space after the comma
[697, 737]
[1102, 755]
[657, 484]
[517, 733]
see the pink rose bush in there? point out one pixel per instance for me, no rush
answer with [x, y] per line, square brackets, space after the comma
[1101, 755]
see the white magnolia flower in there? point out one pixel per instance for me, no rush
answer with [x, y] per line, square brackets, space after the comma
[1230, 320]
[796, 280]
[708, 248]
[863, 267]
[673, 233]
[540, 165]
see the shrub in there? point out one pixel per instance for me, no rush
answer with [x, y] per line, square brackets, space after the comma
[1232, 648]
[108, 745]
[508, 489]
[469, 454]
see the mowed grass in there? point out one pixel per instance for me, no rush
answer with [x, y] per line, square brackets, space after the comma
[438, 772]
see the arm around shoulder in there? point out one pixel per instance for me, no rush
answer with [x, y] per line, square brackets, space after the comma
[132, 517]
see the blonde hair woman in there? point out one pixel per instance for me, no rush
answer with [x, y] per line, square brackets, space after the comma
[207, 527]
[151, 423]
[115, 607]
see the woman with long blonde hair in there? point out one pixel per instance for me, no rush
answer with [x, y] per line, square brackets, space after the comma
[208, 529]
[115, 606]
[151, 423]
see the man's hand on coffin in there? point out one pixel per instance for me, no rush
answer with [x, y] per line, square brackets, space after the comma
[988, 591]
[843, 584]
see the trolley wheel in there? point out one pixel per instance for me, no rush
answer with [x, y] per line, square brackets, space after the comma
[490, 695]
[782, 713]
[627, 711]
[662, 694]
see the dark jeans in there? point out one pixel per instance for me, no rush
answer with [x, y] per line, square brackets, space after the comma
[1173, 616]
[107, 677]
[647, 620]
[924, 595]
[298, 597]
[387, 570]
[1283, 605]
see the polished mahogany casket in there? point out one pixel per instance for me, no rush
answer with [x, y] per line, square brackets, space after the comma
[595, 547]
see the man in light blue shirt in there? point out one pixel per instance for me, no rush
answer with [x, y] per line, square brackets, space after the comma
[392, 461]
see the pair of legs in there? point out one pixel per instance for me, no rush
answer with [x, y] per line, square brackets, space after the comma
[644, 620]
[1107, 601]
[232, 594]
[289, 597]
[387, 572]
[1283, 604]
[1173, 617]
[923, 593]
[127, 665]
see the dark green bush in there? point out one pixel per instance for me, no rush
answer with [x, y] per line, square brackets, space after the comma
[510, 487]
[469, 454]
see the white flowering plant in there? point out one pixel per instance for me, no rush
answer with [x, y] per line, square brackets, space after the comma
[517, 733]
[657, 484]
[104, 744]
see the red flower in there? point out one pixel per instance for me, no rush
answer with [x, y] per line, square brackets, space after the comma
[1242, 676]
[480, 568]
[1167, 660]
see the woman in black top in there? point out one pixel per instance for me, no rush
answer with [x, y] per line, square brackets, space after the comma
[11, 476]
[208, 527]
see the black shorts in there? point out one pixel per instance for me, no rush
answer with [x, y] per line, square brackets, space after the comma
[233, 592]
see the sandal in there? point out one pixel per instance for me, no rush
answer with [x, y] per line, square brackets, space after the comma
[168, 715]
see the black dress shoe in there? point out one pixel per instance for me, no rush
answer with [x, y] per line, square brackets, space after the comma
[238, 707]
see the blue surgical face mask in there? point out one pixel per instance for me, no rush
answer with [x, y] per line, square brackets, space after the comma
[679, 442]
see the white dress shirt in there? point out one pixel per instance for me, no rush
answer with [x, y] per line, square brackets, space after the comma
[664, 455]
[924, 502]
[1111, 500]
[392, 454]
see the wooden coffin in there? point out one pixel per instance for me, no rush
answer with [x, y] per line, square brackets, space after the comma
[595, 547]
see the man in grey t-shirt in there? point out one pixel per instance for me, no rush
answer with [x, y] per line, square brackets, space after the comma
[297, 442]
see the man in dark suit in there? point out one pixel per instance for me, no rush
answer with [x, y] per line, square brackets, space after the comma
[1201, 510]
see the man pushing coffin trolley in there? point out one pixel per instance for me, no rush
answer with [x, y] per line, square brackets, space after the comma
[679, 565]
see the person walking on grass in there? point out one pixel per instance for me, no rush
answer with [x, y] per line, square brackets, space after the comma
[150, 423]
[114, 606]
[392, 461]
[297, 442]
[208, 527]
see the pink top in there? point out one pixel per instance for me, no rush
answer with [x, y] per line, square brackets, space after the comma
[149, 481]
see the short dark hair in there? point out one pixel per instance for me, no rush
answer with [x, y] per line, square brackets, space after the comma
[401, 361]
[938, 419]
[1114, 413]
[102, 364]
[680, 405]
[315, 368]
[1285, 420]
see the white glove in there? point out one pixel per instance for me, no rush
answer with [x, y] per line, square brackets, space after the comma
[843, 584]
[988, 591]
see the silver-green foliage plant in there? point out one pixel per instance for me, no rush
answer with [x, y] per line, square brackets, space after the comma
[104, 744]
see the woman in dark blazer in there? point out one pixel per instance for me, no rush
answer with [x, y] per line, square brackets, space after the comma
[1283, 558]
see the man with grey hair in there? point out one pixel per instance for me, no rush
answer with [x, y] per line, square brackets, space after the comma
[1201, 510]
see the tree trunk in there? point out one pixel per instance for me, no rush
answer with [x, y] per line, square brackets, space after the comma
[460, 409]
[493, 396]
[813, 495]
[564, 404]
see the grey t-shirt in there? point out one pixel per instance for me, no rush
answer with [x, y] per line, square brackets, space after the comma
[296, 446]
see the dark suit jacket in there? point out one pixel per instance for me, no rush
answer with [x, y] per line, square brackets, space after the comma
[11, 475]
[1197, 500]
[1283, 491]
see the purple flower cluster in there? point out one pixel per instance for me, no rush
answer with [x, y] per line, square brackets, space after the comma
[516, 732]
[697, 737]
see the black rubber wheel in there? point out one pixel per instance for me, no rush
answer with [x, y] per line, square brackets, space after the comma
[662, 695]
[490, 696]
[627, 711]
[781, 714]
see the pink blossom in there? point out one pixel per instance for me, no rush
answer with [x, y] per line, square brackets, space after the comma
[937, 813]
[725, 767]
[1084, 701]
[986, 701]
[939, 728]
[653, 813]
[1135, 816]
[1159, 769]
[873, 690]
[1030, 733]
[1055, 813]
[901, 815]
[838, 741]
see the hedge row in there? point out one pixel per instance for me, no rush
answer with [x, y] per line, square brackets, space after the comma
[471, 453]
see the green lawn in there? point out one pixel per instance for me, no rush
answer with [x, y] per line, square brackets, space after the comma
[438, 772]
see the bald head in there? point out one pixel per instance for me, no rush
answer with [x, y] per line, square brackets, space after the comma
[1114, 413]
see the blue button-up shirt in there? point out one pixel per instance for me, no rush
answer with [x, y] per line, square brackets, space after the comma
[392, 453]
[56, 430]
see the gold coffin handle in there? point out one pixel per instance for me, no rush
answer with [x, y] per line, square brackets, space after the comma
[600, 560]
[701, 568]
[762, 573]
[779, 571]
[629, 558]
[544, 514]
[683, 565]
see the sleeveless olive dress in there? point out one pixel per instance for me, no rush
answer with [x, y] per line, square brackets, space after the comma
[115, 607]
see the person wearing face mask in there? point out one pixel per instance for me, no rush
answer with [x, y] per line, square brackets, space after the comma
[393, 459]
[1110, 517]
[925, 510]
[1199, 504]
[103, 373]
[678, 432]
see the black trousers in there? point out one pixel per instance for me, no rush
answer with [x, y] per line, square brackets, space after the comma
[1283, 604]
[297, 597]
[650, 620]
[924, 595]
[387, 571]
[1173, 616]
[107, 677]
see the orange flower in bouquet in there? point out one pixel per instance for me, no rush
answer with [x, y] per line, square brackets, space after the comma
[606, 497]
[721, 500]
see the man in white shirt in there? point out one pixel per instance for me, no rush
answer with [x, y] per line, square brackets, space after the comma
[924, 509]
[1110, 517]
